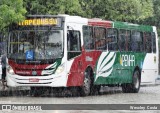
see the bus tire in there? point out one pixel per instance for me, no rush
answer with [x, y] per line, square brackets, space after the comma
[134, 86]
[36, 91]
[95, 89]
[85, 89]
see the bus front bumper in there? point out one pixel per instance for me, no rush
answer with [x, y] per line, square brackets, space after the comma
[46, 81]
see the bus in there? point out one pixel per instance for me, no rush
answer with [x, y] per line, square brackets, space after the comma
[63, 51]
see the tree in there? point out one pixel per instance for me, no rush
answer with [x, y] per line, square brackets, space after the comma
[11, 11]
[53, 7]
[156, 17]
[154, 20]
[123, 10]
[87, 7]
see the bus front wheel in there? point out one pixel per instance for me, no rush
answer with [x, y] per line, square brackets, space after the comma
[134, 86]
[86, 87]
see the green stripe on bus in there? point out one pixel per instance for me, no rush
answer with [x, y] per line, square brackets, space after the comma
[130, 26]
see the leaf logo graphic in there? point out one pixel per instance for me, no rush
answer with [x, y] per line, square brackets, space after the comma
[49, 69]
[105, 64]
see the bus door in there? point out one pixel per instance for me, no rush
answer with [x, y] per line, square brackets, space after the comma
[74, 59]
[150, 64]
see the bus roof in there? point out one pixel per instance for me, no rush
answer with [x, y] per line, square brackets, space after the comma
[100, 22]
[130, 26]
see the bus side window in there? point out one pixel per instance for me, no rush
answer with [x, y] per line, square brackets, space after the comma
[112, 39]
[148, 42]
[88, 37]
[73, 43]
[100, 36]
[136, 41]
[153, 42]
[128, 40]
[122, 40]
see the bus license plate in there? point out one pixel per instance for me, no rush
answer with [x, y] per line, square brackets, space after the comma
[33, 80]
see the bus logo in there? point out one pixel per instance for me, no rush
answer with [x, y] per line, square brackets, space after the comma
[88, 58]
[34, 73]
[6, 107]
[105, 64]
[127, 60]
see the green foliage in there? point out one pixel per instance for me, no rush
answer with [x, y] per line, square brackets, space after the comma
[53, 7]
[117, 10]
[87, 7]
[156, 12]
[123, 10]
[156, 17]
[11, 11]
[154, 20]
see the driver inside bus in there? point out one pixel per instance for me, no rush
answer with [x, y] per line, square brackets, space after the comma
[25, 45]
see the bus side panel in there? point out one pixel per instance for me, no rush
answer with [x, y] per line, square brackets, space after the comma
[150, 69]
[117, 68]
[75, 75]
[79, 65]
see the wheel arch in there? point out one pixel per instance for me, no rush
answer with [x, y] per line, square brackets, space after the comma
[90, 68]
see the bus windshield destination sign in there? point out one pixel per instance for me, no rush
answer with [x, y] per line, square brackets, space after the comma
[40, 21]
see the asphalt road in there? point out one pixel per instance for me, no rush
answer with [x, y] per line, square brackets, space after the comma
[146, 95]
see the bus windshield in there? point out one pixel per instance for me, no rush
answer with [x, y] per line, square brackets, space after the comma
[44, 44]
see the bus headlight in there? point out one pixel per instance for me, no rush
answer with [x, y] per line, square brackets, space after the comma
[10, 70]
[60, 69]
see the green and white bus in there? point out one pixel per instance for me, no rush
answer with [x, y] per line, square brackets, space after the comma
[142, 49]
[72, 51]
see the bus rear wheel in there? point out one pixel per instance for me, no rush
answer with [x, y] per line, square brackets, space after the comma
[134, 86]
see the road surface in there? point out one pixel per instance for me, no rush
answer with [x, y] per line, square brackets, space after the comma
[146, 95]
